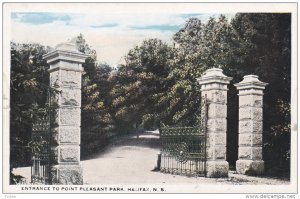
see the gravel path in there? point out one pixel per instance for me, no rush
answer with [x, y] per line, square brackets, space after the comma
[128, 160]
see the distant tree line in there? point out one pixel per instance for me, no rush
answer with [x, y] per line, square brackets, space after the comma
[157, 83]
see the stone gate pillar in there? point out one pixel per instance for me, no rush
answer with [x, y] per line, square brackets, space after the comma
[250, 125]
[65, 74]
[214, 87]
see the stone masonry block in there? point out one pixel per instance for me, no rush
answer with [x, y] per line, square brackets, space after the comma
[250, 113]
[210, 153]
[66, 65]
[245, 101]
[208, 95]
[217, 169]
[250, 139]
[216, 96]
[70, 96]
[214, 152]
[67, 175]
[54, 78]
[249, 126]
[217, 110]
[220, 139]
[245, 126]
[69, 153]
[250, 153]
[220, 97]
[220, 152]
[70, 78]
[69, 116]
[215, 139]
[216, 125]
[245, 153]
[257, 101]
[257, 139]
[210, 139]
[245, 139]
[250, 167]
[250, 100]
[245, 113]
[257, 114]
[69, 134]
[257, 126]
[256, 153]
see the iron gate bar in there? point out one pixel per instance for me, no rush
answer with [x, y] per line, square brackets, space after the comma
[41, 160]
[183, 149]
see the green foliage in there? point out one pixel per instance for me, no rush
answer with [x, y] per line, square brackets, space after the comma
[249, 44]
[140, 83]
[157, 83]
[97, 124]
[28, 95]
[268, 40]
[199, 46]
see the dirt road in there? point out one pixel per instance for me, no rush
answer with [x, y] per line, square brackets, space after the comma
[128, 160]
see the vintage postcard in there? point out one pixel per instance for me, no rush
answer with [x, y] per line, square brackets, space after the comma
[150, 98]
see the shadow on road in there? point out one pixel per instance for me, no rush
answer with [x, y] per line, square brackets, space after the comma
[147, 139]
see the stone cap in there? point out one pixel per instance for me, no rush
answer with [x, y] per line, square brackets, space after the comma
[67, 46]
[251, 82]
[214, 75]
[67, 52]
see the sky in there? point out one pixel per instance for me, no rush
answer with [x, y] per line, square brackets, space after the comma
[112, 35]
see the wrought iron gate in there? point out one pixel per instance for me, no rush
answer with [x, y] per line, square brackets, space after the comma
[41, 137]
[183, 149]
[40, 170]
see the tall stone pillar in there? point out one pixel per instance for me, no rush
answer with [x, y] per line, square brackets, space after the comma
[65, 74]
[250, 125]
[214, 88]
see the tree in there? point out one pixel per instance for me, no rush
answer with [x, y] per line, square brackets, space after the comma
[157, 83]
[199, 46]
[28, 95]
[29, 92]
[268, 37]
[140, 83]
[96, 121]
